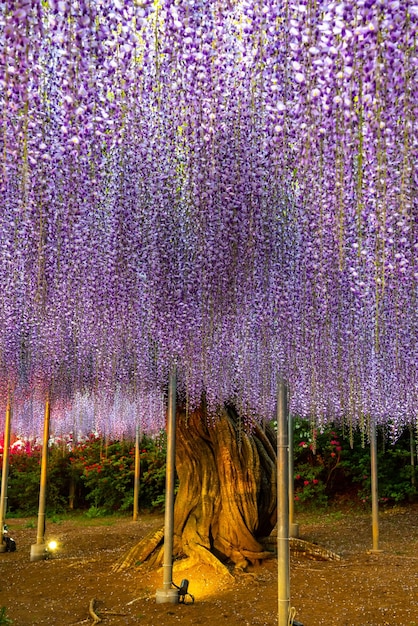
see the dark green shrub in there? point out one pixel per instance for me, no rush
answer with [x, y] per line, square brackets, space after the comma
[153, 465]
[93, 474]
[23, 489]
[327, 466]
[24, 478]
[397, 478]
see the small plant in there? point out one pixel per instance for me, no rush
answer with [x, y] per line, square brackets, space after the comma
[95, 511]
[4, 620]
[30, 524]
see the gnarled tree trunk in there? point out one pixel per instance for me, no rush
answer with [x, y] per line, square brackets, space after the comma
[226, 505]
[227, 494]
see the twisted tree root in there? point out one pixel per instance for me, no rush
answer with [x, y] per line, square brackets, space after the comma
[303, 548]
[149, 549]
[93, 615]
[140, 551]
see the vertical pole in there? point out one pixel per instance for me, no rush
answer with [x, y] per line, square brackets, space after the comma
[374, 486]
[137, 473]
[38, 549]
[283, 553]
[40, 535]
[167, 593]
[5, 473]
[72, 490]
[293, 527]
[412, 449]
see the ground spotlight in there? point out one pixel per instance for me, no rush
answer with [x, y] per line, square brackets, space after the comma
[184, 591]
[43, 551]
[51, 548]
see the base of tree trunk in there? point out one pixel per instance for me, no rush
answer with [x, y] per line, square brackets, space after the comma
[150, 551]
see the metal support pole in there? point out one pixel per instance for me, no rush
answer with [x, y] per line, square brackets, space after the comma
[5, 473]
[38, 550]
[374, 486]
[137, 473]
[412, 449]
[293, 527]
[168, 593]
[283, 552]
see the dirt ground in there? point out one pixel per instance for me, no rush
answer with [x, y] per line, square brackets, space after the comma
[362, 589]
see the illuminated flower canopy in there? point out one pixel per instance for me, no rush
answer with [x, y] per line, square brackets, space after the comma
[230, 186]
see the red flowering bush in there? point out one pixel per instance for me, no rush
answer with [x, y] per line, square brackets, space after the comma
[24, 477]
[327, 466]
[317, 458]
[106, 472]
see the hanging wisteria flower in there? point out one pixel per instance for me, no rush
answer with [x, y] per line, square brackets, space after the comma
[230, 186]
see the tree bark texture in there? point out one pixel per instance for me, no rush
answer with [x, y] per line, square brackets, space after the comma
[226, 505]
[227, 493]
[227, 497]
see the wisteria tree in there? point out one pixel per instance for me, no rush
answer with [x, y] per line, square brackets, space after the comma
[230, 186]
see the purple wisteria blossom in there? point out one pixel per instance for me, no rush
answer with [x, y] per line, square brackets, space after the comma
[230, 186]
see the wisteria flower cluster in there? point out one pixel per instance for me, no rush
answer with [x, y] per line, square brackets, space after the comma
[229, 186]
